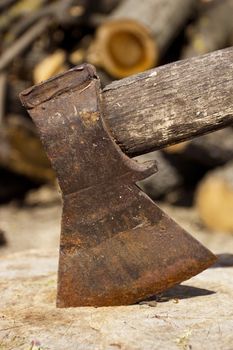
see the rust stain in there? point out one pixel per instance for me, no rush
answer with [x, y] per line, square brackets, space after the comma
[89, 118]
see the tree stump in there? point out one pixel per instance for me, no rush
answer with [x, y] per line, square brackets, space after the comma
[195, 315]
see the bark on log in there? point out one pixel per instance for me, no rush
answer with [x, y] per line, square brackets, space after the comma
[164, 106]
[137, 33]
[172, 103]
[211, 31]
[214, 199]
[21, 44]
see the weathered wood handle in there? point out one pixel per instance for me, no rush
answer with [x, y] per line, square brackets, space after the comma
[172, 103]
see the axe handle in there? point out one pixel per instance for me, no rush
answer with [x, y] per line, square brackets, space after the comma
[171, 103]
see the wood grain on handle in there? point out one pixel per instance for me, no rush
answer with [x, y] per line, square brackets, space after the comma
[171, 103]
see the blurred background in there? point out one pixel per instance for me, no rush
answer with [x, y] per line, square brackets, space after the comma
[41, 38]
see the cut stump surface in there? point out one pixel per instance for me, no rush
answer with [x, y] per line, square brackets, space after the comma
[196, 315]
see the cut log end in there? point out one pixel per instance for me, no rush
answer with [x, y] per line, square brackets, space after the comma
[177, 148]
[214, 199]
[123, 47]
[51, 65]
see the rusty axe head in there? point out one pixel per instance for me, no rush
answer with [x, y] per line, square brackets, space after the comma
[117, 247]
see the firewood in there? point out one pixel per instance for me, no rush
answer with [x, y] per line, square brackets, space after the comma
[21, 151]
[214, 199]
[51, 65]
[210, 150]
[138, 109]
[137, 33]
[18, 9]
[77, 56]
[32, 58]
[178, 148]
[194, 158]
[164, 181]
[59, 12]
[23, 42]
[211, 31]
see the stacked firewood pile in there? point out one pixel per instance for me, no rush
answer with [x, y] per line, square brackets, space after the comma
[41, 38]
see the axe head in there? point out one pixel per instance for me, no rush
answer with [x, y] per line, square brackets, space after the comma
[117, 247]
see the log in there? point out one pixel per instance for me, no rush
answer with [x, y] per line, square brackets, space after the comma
[210, 150]
[169, 104]
[164, 181]
[77, 56]
[214, 199]
[23, 42]
[172, 103]
[211, 31]
[49, 66]
[137, 33]
[17, 9]
[193, 159]
[177, 148]
[21, 151]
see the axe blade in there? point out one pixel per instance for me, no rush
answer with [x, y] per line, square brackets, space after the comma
[117, 247]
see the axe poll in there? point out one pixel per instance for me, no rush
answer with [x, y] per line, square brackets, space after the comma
[117, 247]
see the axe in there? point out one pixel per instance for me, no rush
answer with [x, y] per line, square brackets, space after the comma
[117, 247]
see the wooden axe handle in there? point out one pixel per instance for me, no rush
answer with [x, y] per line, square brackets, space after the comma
[171, 103]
